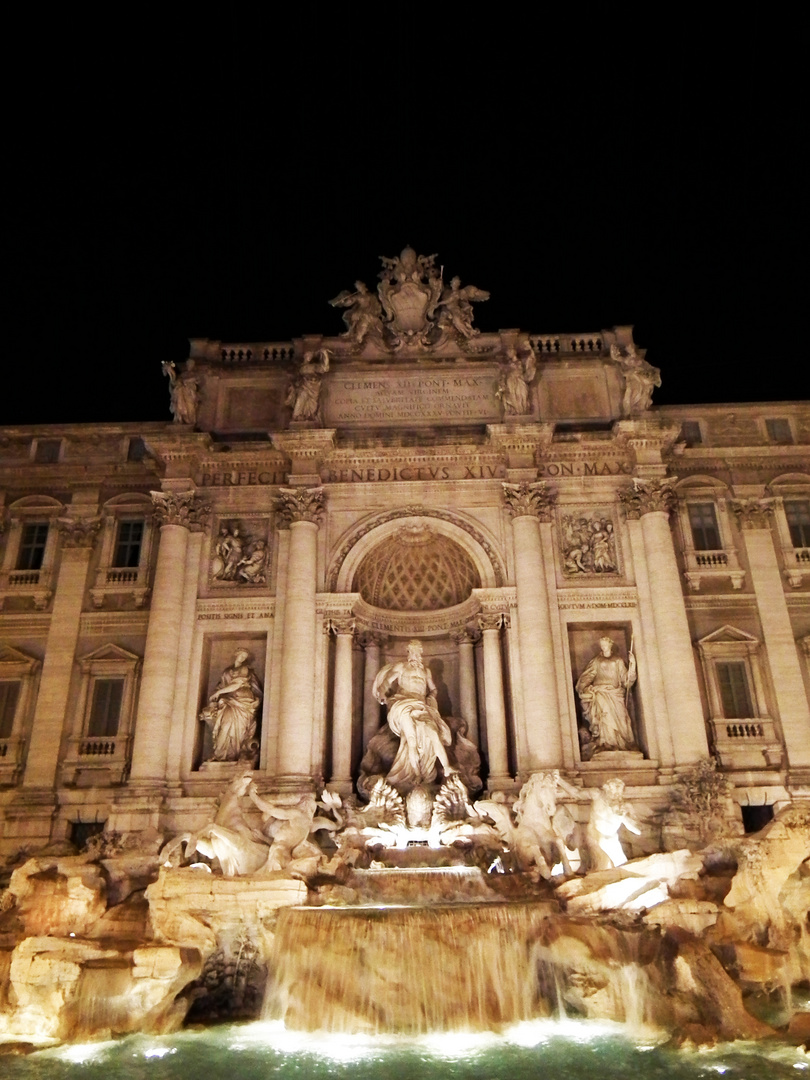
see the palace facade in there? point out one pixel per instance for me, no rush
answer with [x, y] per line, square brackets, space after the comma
[509, 499]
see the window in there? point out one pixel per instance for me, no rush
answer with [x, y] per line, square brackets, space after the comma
[9, 695]
[690, 433]
[105, 710]
[32, 546]
[128, 544]
[703, 522]
[779, 430]
[734, 692]
[47, 451]
[797, 512]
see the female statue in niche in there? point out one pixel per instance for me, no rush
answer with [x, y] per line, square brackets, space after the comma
[603, 688]
[231, 712]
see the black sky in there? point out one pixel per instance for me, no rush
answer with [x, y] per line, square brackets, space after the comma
[227, 183]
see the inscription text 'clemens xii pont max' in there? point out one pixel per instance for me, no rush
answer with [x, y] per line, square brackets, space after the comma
[415, 397]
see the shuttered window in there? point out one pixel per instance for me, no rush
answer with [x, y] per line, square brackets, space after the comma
[9, 694]
[105, 710]
[734, 692]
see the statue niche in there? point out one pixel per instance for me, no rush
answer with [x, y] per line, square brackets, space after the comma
[603, 690]
[231, 713]
[417, 747]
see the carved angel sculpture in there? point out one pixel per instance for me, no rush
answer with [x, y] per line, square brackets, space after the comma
[456, 304]
[363, 313]
[513, 385]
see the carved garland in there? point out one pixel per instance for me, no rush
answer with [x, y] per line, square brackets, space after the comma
[415, 511]
[78, 532]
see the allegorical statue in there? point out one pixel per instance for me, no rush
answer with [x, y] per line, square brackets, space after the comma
[603, 688]
[455, 307]
[363, 313]
[609, 812]
[183, 391]
[640, 378]
[231, 712]
[304, 394]
[414, 718]
[513, 384]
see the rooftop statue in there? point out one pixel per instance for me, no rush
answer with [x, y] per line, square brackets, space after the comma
[183, 391]
[639, 379]
[513, 384]
[415, 307]
[363, 313]
[305, 390]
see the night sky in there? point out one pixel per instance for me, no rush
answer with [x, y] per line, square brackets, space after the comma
[228, 183]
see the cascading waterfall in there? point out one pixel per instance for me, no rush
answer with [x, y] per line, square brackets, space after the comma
[418, 970]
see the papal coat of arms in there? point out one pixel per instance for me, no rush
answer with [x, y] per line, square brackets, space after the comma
[413, 306]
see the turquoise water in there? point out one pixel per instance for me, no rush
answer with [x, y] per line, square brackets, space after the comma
[544, 1050]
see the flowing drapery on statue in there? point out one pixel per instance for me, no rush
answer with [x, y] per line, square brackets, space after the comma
[602, 688]
[414, 718]
[231, 712]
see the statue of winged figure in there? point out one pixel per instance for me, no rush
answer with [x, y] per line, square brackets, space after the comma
[363, 313]
[456, 307]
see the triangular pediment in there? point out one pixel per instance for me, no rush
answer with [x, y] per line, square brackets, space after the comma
[109, 652]
[10, 655]
[728, 633]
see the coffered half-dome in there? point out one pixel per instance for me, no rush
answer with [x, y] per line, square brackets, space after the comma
[416, 569]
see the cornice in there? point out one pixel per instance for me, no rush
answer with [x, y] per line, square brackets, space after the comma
[596, 598]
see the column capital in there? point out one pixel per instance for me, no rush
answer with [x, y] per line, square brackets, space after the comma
[370, 637]
[492, 620]
[647, 496]
[753, 513]
[78, 532]
[340, 625]
[468, 636]
[184, 508]
[301, 504]
[530, 500]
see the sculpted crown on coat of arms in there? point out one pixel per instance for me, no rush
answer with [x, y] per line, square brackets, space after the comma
[413, 306]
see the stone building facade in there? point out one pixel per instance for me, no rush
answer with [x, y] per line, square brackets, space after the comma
[508, 499]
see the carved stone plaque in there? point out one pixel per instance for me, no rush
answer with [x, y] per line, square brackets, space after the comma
[427, 397]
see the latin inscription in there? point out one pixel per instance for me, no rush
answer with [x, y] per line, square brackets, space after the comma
[412, 397]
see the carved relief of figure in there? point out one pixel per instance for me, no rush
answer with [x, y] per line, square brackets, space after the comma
[608, 813]
[183, 391]
[231, 712]
[588, 544]
[640, 378]
[603, 688]
[456, 307]
[363, 313]
[513, 384]
[229, 550]
[414, 717]
[253, 567]
[305, 392]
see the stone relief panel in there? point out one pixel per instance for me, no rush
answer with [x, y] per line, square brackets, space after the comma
[240, 552]
[588, 542]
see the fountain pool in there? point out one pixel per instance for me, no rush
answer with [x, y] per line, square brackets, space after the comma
[548, 1049]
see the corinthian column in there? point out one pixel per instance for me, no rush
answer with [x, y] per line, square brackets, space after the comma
[651, 500]
[754, 517]
[303, 509]
[341, 781]
[177, 512]
[372, 643]
[468, 704]
[490, 625]
[531, 507]
[78, 536]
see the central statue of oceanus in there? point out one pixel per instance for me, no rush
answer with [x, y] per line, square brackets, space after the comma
[417, 747]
